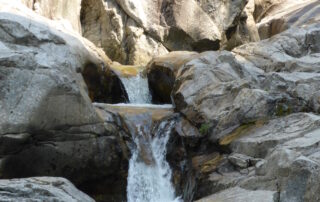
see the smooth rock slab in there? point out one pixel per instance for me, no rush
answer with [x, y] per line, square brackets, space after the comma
[241, 195]
[290, 13]
[293, 131]
[41, 189]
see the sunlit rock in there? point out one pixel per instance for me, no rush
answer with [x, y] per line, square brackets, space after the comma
[41, 189]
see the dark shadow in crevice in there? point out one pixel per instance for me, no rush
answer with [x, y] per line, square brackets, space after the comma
[103, 85]
[206, 45]
[161, 84]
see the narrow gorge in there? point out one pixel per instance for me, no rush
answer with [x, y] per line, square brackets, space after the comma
[160, 100]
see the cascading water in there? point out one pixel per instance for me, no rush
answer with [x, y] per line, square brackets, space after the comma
[137, 88]
[150, 180]
[149, 174]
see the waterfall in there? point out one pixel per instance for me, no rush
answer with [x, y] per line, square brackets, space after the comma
[149, 176]
[137, 88]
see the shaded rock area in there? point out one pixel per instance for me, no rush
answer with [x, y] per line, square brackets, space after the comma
[48, 125]
[162, 71]
[104, 85]
[41, 189]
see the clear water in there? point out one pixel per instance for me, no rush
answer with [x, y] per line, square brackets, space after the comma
[151, 182]
[137, 88]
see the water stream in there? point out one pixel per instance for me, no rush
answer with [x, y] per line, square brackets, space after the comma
[149, 174]
[149, 177]
[137, 88]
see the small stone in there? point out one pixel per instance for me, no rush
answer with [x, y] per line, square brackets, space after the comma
[239, 160]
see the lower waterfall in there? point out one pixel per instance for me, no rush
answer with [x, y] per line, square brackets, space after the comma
[149, 175]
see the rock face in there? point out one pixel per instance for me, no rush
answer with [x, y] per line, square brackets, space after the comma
[288, 14]
[234, 20]
[48, 125]
[109, 27]
[241, 195]
[263, 7]
[224, 90]
[166, 20]
[283, 161]
[41, 189]
[133, 32]
[67, 12]
[247, 102]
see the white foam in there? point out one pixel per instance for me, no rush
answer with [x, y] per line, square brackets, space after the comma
[151, 183]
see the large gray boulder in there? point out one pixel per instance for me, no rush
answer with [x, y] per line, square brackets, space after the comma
[288, 14]
[248, 102]
[295, 50]
[222, 90]
[41, 189]
[109, 27]
[234, 20]
[48, 125]
[174, 23]
[259, 140]
[281, 156]
[241, 195]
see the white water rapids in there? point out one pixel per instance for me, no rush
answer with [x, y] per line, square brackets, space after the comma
[149, 175]
[151, 183]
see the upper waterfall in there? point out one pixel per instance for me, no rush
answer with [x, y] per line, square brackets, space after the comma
[137, 88]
